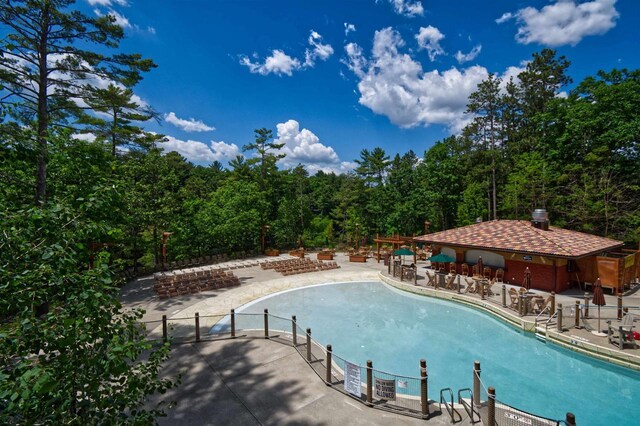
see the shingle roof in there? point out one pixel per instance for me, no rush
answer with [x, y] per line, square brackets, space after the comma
[521, 237]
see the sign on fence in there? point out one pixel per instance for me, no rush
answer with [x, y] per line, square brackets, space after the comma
[385, 389]
[352, 378]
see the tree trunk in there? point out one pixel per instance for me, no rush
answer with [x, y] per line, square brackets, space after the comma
[43, 113]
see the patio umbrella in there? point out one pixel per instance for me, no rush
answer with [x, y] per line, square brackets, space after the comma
[403, 252]
[527, 279]
[441, 258]
[598, 299]
[480, 266]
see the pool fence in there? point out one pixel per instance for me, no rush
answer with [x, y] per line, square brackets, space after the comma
[371, 387]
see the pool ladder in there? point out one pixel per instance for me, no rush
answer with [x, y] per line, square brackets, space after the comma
[542, 331]
[453, 413]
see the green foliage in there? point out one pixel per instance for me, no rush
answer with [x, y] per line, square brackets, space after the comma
[70, 354]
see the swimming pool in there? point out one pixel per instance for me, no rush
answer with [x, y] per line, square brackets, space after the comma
[395, 329]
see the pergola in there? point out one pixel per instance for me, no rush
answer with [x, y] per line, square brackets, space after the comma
[396, 242]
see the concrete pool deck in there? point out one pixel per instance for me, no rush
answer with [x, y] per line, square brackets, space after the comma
[226, 395]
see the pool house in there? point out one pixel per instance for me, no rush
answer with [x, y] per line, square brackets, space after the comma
[557, 258]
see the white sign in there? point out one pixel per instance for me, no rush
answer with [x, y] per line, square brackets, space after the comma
[352, 378]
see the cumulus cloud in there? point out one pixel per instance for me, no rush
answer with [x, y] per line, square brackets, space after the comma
[429, 39]
[407, 7]
[280, 63]
[348, 28]
[466, 57]
[199, 152]
[564, 22]
[304, 147]
[318, 51]
[393, 84]
[190, 125]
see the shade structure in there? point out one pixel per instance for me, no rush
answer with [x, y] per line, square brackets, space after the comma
[598, 299]
[527, 279]
[441, 258]
[403, 252]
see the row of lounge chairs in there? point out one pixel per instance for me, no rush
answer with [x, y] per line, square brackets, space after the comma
[172, 285]
[208, 260]
[299, 266]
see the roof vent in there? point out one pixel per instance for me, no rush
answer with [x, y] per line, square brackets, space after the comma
[540, 219]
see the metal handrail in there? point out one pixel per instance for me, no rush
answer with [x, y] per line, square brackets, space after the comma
[468, 405]
[547, 308]
[546, 326]
[449, 407]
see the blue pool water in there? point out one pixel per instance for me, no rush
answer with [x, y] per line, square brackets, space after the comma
[395, 329]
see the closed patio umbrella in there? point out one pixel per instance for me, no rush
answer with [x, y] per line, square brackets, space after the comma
[598, 299]
[480, 266]
[527, 279]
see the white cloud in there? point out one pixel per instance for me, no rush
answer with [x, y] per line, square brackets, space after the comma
[304, 147]
[88, 137]
[107, 2]
[504, 18]
[466, 57]
[151, 30]
[199, 152]
[190, 125]
[319, 50]
[348, 28]
[120, 19]
[280, 63]
[395, 85]
[408, 7]
[429, 38]
[564, 22]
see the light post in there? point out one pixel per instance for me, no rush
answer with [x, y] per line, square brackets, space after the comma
[357, 239]
[263, 230]
[165, 237]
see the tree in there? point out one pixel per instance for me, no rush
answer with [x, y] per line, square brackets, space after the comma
[117, 103]
[45, 67]
[373, 165]
[487, 106]
[86, 361]
[264, 146]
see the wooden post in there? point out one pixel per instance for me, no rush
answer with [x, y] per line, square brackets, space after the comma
[197, 327]
[577, 323]
[459, 283]
[424, 397]
[521, 305]
[552, 309]
[586, 306]
[369, 382]
[266, 323]
[481, 282]
[491, 415]
[559, 317]
[476, 383]
[328, 378]
[570, 420]
[294, 331]
[309, 344]
[619, 307]
[165, 333]
[233, 323]
[504, 296]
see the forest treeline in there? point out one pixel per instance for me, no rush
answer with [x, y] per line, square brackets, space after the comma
[79, 172]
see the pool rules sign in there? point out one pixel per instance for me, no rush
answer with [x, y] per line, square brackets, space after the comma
[385, 389]
[352, 378]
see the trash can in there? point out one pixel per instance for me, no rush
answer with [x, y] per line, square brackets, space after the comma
[386, 259]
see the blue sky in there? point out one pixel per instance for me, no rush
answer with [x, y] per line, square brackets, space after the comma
[331, 78]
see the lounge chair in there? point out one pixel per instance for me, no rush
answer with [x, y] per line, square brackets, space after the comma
[499, 275]
[486, 272]
[622, 334]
